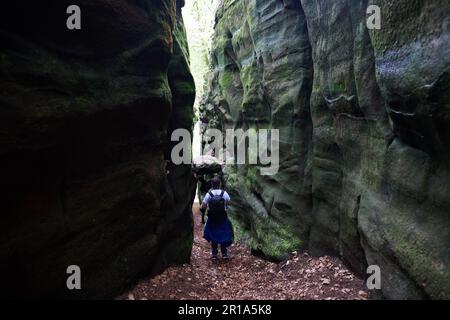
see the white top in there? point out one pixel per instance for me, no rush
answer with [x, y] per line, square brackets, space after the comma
[217, 192]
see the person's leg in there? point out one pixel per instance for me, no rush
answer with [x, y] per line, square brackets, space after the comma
[223, 250]
[214, 249]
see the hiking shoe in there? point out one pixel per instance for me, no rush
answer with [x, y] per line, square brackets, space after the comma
[225, 257]
[214, 257]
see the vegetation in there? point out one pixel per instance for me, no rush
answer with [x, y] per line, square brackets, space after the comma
[198, 16]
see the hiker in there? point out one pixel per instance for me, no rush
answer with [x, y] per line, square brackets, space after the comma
[218, 229]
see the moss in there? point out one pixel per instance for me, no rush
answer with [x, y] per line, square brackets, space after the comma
[185, 87]
[252, 175]
[286, 99]
[225, 79]
[247, 77]
[276, 240]
[240, 233]
[180, 250]
[373, 157]
[432, 277]
[338, 87]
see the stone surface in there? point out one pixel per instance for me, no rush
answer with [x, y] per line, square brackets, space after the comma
[262, 79]
[205, 168]
[85, 117]
[363, 118]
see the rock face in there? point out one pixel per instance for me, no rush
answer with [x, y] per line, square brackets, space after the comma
[85, 121]
[262, 79]
[204, 170]
[364, 139]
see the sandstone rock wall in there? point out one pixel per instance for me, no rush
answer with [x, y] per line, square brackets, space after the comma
[85, 117]
[363, 118]
[262, 79]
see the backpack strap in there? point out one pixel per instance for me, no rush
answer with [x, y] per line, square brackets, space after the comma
[221, 194]
[210, 194]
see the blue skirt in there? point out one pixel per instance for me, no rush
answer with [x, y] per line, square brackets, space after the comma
[221, 233]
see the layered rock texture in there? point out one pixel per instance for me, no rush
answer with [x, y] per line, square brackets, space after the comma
[85, 118]
[364, 120]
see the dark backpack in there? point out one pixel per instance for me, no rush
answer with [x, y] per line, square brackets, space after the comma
[216, 207]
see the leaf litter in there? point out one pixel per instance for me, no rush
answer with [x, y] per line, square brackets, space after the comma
[247, 277]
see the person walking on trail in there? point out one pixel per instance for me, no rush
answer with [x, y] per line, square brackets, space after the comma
[218, 229]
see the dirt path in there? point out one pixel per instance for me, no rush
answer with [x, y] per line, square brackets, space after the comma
[247, 277]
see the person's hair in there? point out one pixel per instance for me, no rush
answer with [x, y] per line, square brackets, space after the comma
[215, 182]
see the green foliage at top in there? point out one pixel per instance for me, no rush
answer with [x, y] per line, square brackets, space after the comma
[198, 16]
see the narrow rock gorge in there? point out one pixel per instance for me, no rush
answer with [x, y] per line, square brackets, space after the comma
[85, 120]
[364, 140]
